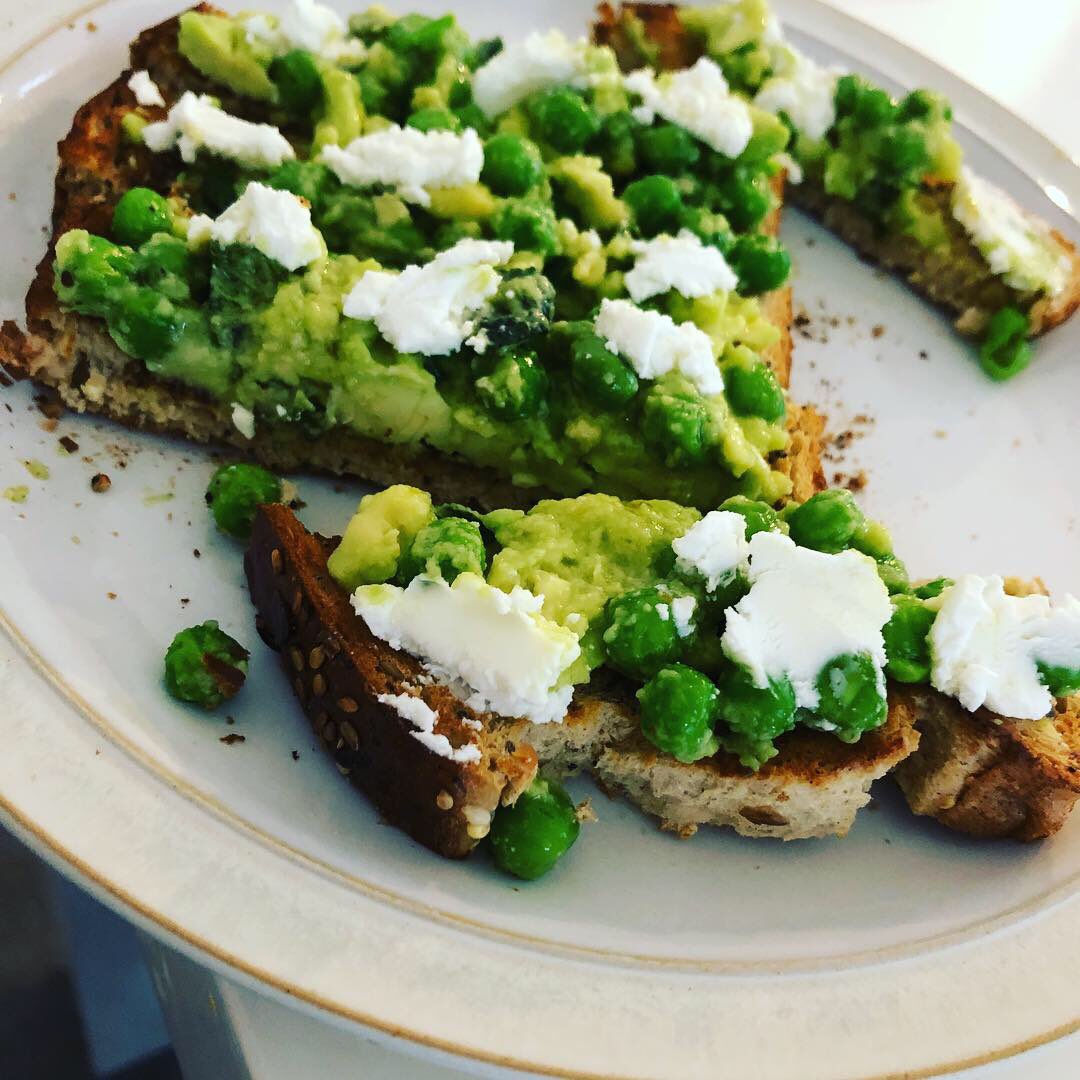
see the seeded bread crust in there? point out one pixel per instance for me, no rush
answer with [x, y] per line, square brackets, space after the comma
[946, 280]
[74, 355]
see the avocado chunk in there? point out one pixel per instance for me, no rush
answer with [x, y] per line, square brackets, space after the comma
[590, 189]
[219, 48]
[380, 532]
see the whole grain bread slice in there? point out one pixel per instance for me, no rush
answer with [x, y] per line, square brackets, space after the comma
[75, 356]
[338, 671]
[942, 276]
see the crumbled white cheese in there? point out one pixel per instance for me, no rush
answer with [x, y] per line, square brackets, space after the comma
[680, 262]
[195, 123]
[145, 89]
[243, 420]
[985, 645]
[806, 91]
[1015, 246]
[540, 61]
[426, 309]
[654, 344]
[697, 99]
[499, 645]
[423, 718]
[804, 609]
[682, 611]
[792, 169]
[714, 547]
[409, 160]
[306, 25]
[276, 222]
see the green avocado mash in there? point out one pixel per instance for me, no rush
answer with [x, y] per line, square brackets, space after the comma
[570, 176]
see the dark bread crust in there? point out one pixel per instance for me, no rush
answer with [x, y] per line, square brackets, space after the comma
[74, 355]
[338, 669]
[944, 280]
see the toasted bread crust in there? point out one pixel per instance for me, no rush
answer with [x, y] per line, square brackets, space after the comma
[989, 777]
[945, 280]
[338, 670]
[75, 355]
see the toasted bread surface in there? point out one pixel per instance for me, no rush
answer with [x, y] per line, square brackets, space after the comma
[946, 278]
[74, 355]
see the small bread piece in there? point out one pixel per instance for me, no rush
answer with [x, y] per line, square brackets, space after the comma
[338, 670]
[945, 279]
[75, 356]
[987, 776]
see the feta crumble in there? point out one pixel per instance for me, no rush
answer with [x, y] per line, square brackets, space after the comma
[423, 719]
[409, 160]
[1015, 246]
[679, 262]
[145, 89]
[195, 123]
[540, 61]
[804, 609]
[508, 656]
[985, 644]
[276, 222]
[426, 309]
[697, 99]
[654, 344]
[714, 547]
[804, 90]
[306, 25]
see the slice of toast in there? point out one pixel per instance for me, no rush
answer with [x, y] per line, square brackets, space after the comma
[944, 279]
[814, 787]
[74, 355]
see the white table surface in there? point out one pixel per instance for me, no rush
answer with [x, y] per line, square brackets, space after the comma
[1025, 55]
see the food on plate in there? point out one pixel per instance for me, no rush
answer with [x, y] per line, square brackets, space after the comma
[236, 491]
[744, 667]
[205, 666]
[884, 173]
[385, 249]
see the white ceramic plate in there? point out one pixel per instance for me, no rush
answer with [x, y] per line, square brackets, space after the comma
[901, 949]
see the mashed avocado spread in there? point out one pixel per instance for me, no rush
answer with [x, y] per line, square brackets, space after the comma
[573, 174]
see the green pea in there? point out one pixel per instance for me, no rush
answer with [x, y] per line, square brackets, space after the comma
[874, 107]
[470, 115]
[754, 715]
[139, 214]
[299, 84]
[906, 643]
[744, 199]
[1005, 350]
[668, 148]
[477, 55]
[903, 150]
[930, 589]
[602, 376]
[433, 119]
[528, 838]
[562, 118]
[516, 387]
[90, 273]
[708, 227]
[893, 573]
[827, 521]
[511, 165]
[616, 144]
[418, 34]
[851, 700]
[656, 203]
[678, 709]
[640, 635]
[205, 666]
[531, 226]
[676, 425]
[146, 324]
[234, 494]
[761, 263]
[1059, 680]
[754, 391]
[447, 547]
[760, 517]
[308, 179]
[918, 105]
